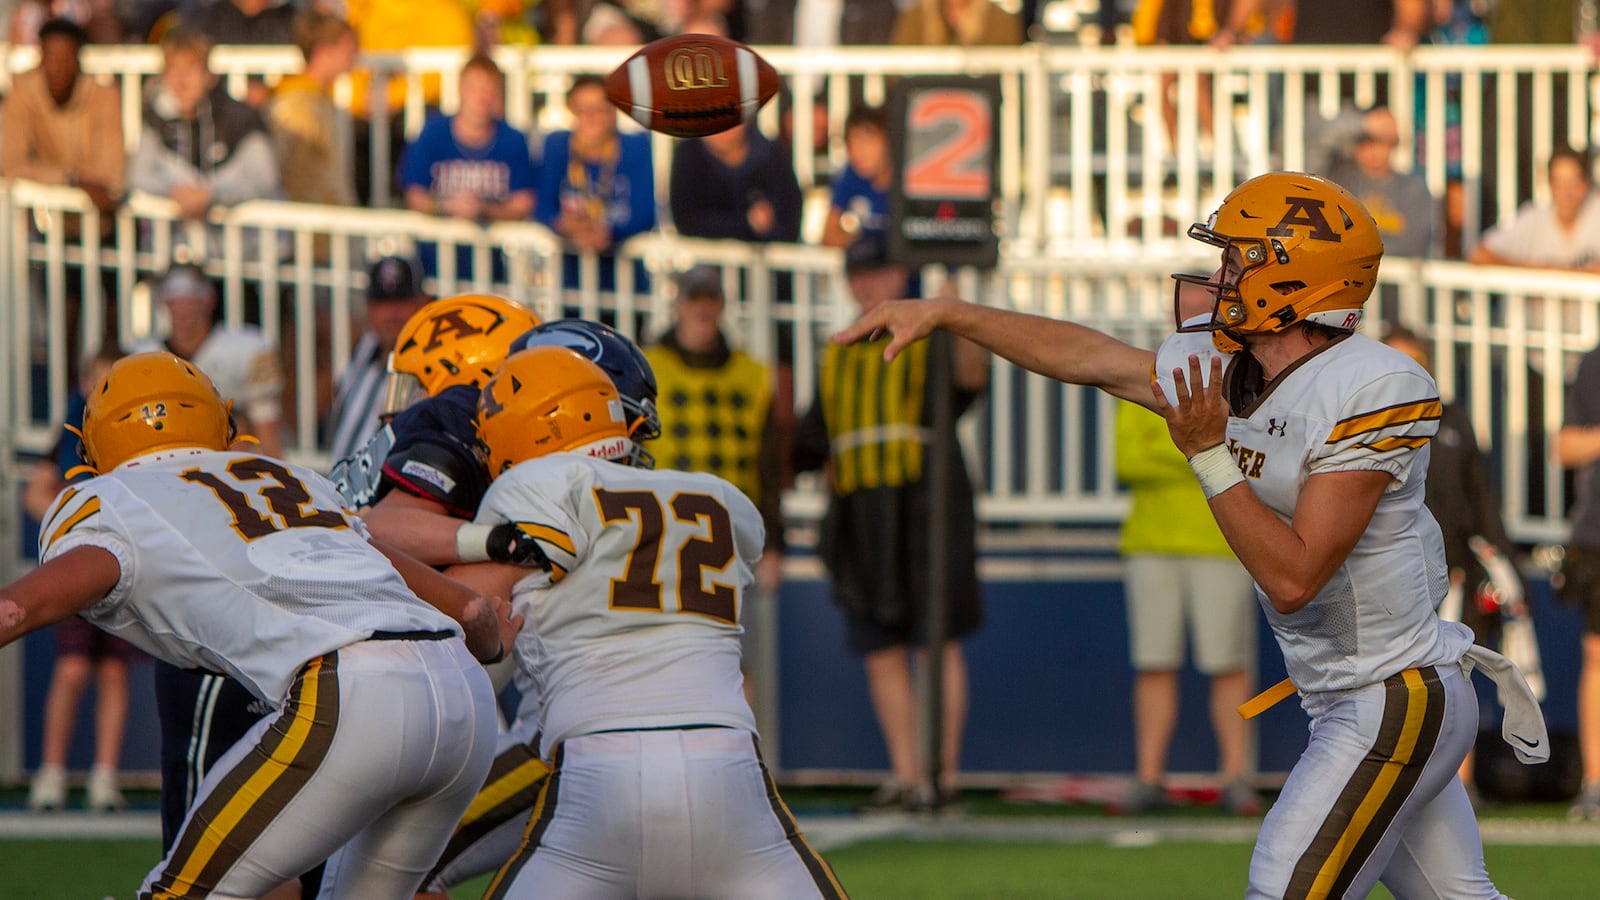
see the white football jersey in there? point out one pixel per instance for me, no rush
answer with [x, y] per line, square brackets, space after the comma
[637, 625]
[1355, 404]
[233, 562]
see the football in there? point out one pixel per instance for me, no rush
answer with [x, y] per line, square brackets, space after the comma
[692, 85]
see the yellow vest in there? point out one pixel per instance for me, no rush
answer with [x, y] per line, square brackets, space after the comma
[873, 410]
[712, 420]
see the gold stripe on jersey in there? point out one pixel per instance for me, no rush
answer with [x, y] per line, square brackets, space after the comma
[234, 814]
[544, 811]
[549, 534]
[1389, 417]
[511, 789]
[874, 412]
[1398, 442]
[89, 508]
[1382, 782]
[821, 873]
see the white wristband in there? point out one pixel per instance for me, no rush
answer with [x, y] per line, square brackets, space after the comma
[1216, 470]
[472, 543]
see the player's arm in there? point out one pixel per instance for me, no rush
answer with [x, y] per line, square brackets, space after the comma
[425, 529]
[56, 589]
[1291, 562]
[483, 619]
[1065, 351]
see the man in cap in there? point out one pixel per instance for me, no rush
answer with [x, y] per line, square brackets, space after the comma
[244, 366]
[394, 293]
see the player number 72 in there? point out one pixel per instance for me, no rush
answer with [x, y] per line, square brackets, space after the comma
[639, 588]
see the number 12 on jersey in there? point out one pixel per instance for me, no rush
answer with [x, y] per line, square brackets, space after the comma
[703, 541]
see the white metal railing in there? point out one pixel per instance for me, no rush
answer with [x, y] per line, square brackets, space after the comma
[1079, 125]
[1504, 338]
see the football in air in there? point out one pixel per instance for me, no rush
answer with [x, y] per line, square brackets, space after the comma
[692, 85]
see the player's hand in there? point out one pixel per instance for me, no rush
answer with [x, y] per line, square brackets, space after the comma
[904, 321]
[1199, 421]
[508, 543]
[507, 623]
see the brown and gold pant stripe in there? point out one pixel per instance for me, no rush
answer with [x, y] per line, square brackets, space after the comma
[821, 873]
[511, 789]
[1413, 714]
[231, 817]
[544, 812]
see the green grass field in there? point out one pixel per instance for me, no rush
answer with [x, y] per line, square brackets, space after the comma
[888, 870]
[993, 853]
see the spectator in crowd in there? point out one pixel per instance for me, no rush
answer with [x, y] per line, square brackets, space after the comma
[735, 184]
[1519, 23]
[1405, 210]
[1395, 23]
[394, 293]
[199, 146]
[1578, 447]
[957, 23]
[869, 427]
[97, 18]
[1563, 234]
[471, 165]
[718, 417]
[608, 26]
[859, 207]
[596, 185]
[245, 368]
[1486, 591]
[63, 127]
[1181, 578]
[83, 652]
[303, 118]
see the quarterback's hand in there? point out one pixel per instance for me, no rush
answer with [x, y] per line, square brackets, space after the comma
[905, 321]
[1199, 420]
[508, 543]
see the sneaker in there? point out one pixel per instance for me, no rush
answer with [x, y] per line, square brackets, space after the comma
[1587, 806]
[1142, 797]
[103, 794]
[48, 792]
[891, 796]
[1239, 798]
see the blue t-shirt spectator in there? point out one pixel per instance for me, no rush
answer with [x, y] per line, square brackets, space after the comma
[619, 193]
[437, 162]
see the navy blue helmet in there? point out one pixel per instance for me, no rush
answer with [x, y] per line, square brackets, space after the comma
[620, 357]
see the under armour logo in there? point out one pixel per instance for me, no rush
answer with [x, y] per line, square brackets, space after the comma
[1274, 428]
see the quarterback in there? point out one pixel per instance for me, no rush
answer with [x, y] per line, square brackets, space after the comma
[1312, 448]
[240, 564]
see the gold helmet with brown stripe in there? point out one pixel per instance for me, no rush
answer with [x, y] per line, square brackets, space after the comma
[547, 400]
[1296, 248]
[456, 340]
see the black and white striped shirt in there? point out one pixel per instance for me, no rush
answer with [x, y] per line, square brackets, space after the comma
[356, 406]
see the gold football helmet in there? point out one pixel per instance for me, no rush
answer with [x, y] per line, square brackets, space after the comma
[1296, 248]
[457, 340]
[148, 402]
[550, 400]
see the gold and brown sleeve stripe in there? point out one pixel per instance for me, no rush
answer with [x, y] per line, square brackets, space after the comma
[222, 827]
[1382, 782]
[544, 812]
[1389, 417]
[821, 873]
[89, 508]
